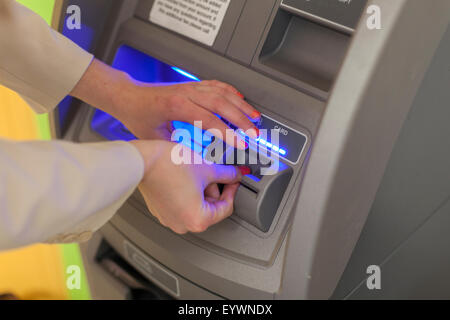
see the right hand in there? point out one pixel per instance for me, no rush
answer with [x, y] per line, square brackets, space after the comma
[186, 197]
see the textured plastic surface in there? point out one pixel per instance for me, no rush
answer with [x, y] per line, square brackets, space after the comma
[258, 199]
[249, 30]
[302, 53]
[411, 202]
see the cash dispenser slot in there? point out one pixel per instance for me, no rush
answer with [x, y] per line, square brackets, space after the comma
[139, 286]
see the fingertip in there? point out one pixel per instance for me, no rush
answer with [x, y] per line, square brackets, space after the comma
[239, 174]
[236, 142]
[256, 115]
[243, 145]
[253, 132]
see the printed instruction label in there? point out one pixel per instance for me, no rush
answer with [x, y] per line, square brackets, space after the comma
[197, 19]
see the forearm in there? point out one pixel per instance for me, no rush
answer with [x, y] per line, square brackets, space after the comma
[103, 87]
[36, 61]
[50, 190]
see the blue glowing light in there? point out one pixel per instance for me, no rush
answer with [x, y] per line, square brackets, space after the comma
[271, 146]
[143, 68]
[186, 74]
[253, 177]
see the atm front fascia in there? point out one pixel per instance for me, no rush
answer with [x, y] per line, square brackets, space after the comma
[364, 110]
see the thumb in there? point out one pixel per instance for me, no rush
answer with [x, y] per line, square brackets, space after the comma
[222, 208]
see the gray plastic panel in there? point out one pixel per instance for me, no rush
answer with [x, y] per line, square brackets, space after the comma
[342, 12]
[206, 269]
[300, 53]
[303, 52]
[257, 203]
[249, 30]
[226, 31]
[418, 269]
[365, 113]
[102, 285]
[186, 289]
[417, 178]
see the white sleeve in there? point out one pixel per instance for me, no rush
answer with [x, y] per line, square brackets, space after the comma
[62, 192]
[36, 61]
[53, 191]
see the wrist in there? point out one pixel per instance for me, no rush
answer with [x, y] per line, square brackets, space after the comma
[149, 151]
[119, 103]
[103, 87]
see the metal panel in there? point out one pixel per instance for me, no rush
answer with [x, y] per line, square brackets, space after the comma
[363, 119]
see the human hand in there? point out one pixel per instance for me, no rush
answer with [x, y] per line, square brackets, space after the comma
[148, 109]
[186, 197]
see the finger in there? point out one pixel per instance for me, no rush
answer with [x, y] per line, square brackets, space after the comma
[222, 209]
[222, 85]
[229, 192]
[212, 192]
[220, 105]
[233, 95]
[192, 113]
[179, 229]
[222, 174]
[242, 105]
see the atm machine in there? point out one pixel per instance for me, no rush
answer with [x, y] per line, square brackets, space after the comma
[360, 91]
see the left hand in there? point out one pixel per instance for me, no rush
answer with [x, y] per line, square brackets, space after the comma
[148, 109]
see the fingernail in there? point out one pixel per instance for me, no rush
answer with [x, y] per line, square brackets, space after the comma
[240, 95]
[253, 132]
[243, 144]
[257, 131]
[255, 115]
[245, 170]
